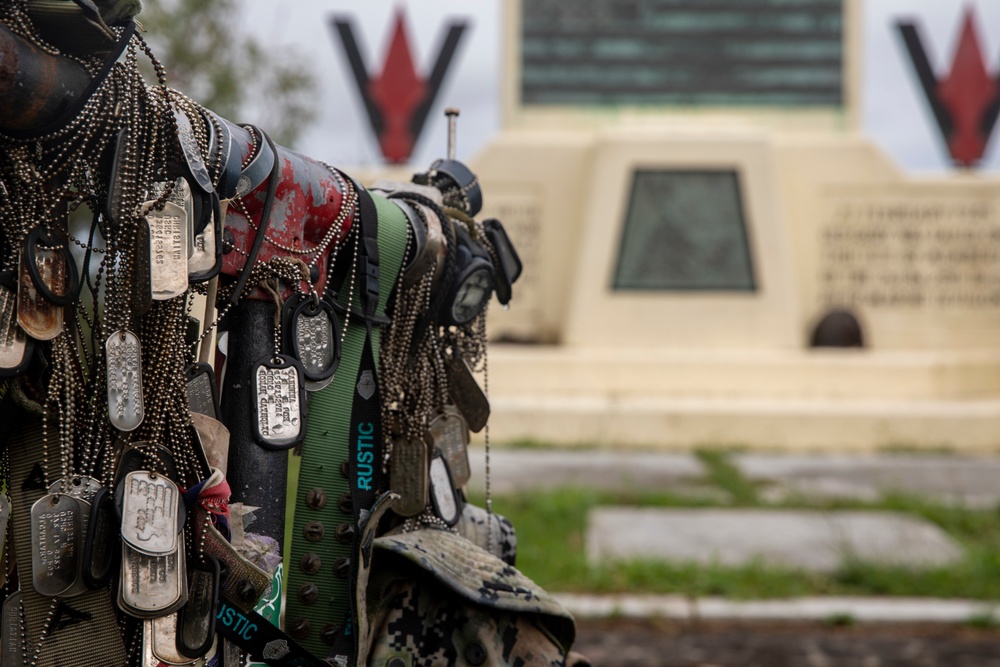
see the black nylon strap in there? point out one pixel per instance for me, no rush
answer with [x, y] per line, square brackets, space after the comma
[264, 642]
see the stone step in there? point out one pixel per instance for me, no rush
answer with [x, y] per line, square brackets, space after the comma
[800, 539]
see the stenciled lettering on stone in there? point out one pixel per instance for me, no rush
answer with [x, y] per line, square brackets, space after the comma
[278, 409]
[910, 252]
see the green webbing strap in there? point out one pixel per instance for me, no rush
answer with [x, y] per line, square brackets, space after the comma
[324, 617]
[79, 623]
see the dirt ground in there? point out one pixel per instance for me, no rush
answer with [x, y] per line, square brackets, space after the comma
[658, 643]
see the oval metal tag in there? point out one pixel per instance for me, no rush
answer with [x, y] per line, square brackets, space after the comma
[55, 544]
[15, 346]
[168, 251]
[408, 476]
[450, 433]
[278, 400]
[315, 339]
[40, 318]
[192, 152]
[124, 380]
[150, 517]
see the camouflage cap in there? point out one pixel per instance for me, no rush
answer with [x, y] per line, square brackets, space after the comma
[480, 577]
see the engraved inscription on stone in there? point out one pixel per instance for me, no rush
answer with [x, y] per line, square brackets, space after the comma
[278, 410]
[168, 251]
[905, 252]
[315, 341]
[124, 363]
[55, 537]
[149, 513]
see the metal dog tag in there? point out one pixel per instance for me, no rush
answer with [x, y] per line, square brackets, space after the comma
[447, 503]
[450, 433]
[100, 544]
[80, 487]
[11, 646]
[165, 641]
[168, 251]
[467, 394]
[315, 339]
[150, 517]
[40, 318]
[203, 256]
[192, 152]
[202, 395]
[196, 619]
[4, 520]
[181, 196]
[124, 380]
[83, 489]
[56, 537]
[152, 586]
[14, 345]
[278, 400]
[408, 476]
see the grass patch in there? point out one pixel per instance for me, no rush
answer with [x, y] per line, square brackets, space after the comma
[721, 472]
[551, 528]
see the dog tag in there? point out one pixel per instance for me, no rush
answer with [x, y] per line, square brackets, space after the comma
[192, 152]
[38, 316]
[55, 544]
[152, 586]
[203, 256]
[181, 196]
[165, 641]
[83, 489]
[14, 345]
[99, 547]
[150, 513]
[468, 395]
[203, 397]
[196, 619]
[11, 646]
[450, 433]
[4, 520]
[278, 400]
[408, 476]
[447, 502]
[315, 340]
[124, 380]
[168, 265]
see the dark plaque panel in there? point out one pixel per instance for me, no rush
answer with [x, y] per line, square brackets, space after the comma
[682, 52]
[685, 230]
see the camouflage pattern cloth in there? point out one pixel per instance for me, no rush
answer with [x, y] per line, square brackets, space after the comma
[438, 599]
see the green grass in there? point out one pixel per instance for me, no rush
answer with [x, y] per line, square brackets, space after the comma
[551, 528]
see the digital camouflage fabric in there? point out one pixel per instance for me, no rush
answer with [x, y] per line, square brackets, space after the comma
[438, 599]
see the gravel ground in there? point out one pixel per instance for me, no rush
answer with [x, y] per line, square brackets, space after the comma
[658, 643]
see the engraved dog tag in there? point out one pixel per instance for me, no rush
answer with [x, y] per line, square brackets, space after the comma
[83, 489]
[4, 520]
[14, 345]
[467, 394]
[278, 400]
[203, 254]
[39, 317]
[408, 476]
[150, 517]
[168, 244]
[165, 641]
[201, 390]
[180, 195]
[55, 544]
[124, 380]
[450, 434]
[152, 586]
[447, 502]
[196, 619]
[192, 152]
[11, 647]
[315, 340]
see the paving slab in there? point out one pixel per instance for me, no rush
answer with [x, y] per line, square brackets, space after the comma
[513, 470]
[973, 482]
[807, 540]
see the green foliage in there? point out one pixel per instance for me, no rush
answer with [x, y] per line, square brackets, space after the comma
[727, 476]
[212, 60]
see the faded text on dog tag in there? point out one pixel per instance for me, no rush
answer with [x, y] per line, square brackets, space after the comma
[152, 586]
[124, 380]
[164, 630]
[11, 647]
[150, 519]
[450, 433]
[278, 398]
[55, 543]
[168, 268]
[408, 476]
[315, 339]
[181, 196]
